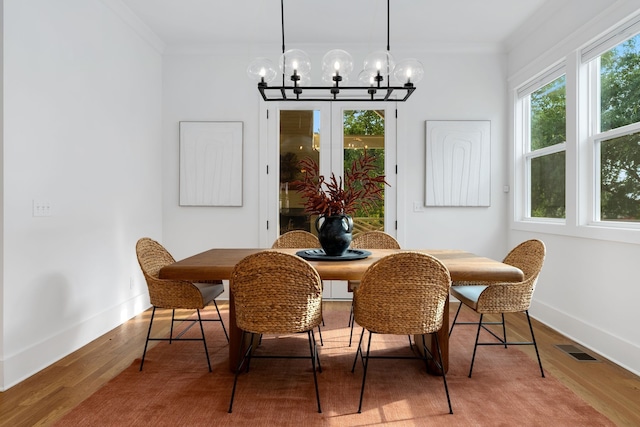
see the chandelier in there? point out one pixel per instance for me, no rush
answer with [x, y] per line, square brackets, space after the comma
[373, 81]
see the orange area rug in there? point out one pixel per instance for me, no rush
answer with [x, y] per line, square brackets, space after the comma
[176, 389]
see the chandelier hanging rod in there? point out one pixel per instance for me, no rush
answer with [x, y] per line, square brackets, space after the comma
[337, 64]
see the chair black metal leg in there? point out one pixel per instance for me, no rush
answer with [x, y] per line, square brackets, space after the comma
[364, 376]
[249, 354]
[153, 313]
[504, 330]
[317, 353]
[320, 335]
[455, 318]
[426, 352]
[241, 359]
[410, 344]
[221, 322]
[475, 346]
[444, 376]
[204, 340]
[533, 338]
[351, 332]
[359, 351]
[314, 356]
[503, 340]
[173, 315]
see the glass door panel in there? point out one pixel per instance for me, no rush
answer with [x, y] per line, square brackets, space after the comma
[364, 131]
[299, 139]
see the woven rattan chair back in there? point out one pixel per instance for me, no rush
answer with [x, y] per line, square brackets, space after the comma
[276, 293]
[403, 294]
[374, 240]
[296, 239]
[528, 256]
[152, 256]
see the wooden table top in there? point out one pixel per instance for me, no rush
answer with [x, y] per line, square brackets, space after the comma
[219, 263]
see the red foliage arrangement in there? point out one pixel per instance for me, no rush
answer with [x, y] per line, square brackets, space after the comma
[361, 189]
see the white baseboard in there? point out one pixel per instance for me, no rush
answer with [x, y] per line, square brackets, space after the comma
[20, 366]
[617, 350]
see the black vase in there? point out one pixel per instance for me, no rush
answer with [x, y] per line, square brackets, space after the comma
[334, 233]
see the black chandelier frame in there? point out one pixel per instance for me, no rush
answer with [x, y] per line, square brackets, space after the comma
[377, 92]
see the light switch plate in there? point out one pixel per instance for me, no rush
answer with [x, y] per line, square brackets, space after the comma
[41, 208]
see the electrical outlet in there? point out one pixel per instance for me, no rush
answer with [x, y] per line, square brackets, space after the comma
[41, 208]
[417, 206]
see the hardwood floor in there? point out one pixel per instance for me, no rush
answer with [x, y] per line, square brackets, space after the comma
[612, 390]
[45, 397]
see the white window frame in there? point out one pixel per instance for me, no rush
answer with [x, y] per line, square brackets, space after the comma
[596, 137]
[523, 152]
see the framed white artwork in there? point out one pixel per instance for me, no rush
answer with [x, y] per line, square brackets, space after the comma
[458, 163]
[211, 163]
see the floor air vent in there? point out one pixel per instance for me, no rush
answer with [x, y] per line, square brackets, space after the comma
[576, 353]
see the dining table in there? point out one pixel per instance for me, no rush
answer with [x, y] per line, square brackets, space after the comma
[218, 264]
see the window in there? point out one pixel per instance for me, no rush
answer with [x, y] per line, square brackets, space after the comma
[576, 135]
[544, 135]
[615, 80]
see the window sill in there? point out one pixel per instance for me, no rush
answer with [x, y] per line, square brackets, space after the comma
[617, 233]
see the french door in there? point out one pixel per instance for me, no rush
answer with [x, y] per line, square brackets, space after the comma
[333, 134]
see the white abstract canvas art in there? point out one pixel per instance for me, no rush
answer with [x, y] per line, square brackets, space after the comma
[210, 163]
[458, 157]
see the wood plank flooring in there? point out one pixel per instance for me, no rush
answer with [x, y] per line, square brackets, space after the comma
[46, 396]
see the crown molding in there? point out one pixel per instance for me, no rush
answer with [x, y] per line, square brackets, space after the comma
[132, 20]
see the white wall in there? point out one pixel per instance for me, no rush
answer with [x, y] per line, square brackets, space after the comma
[588, 289]
[208, 87]
[458, 85]
[82, 132]
[2, 186]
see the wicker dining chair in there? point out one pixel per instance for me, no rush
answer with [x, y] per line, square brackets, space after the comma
[299, 239]
[174, 294]
[296, 239]
[402, 294]
[369, 240]
[276, 293]
[501, 298]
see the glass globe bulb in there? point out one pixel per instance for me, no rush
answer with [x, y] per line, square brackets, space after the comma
[305, 80]
[366, 78]
[409, 71]
[294, 60]
[337, 60]
[380, 61]
[261, 69]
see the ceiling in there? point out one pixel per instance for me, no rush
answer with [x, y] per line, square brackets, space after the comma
[413, 22]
